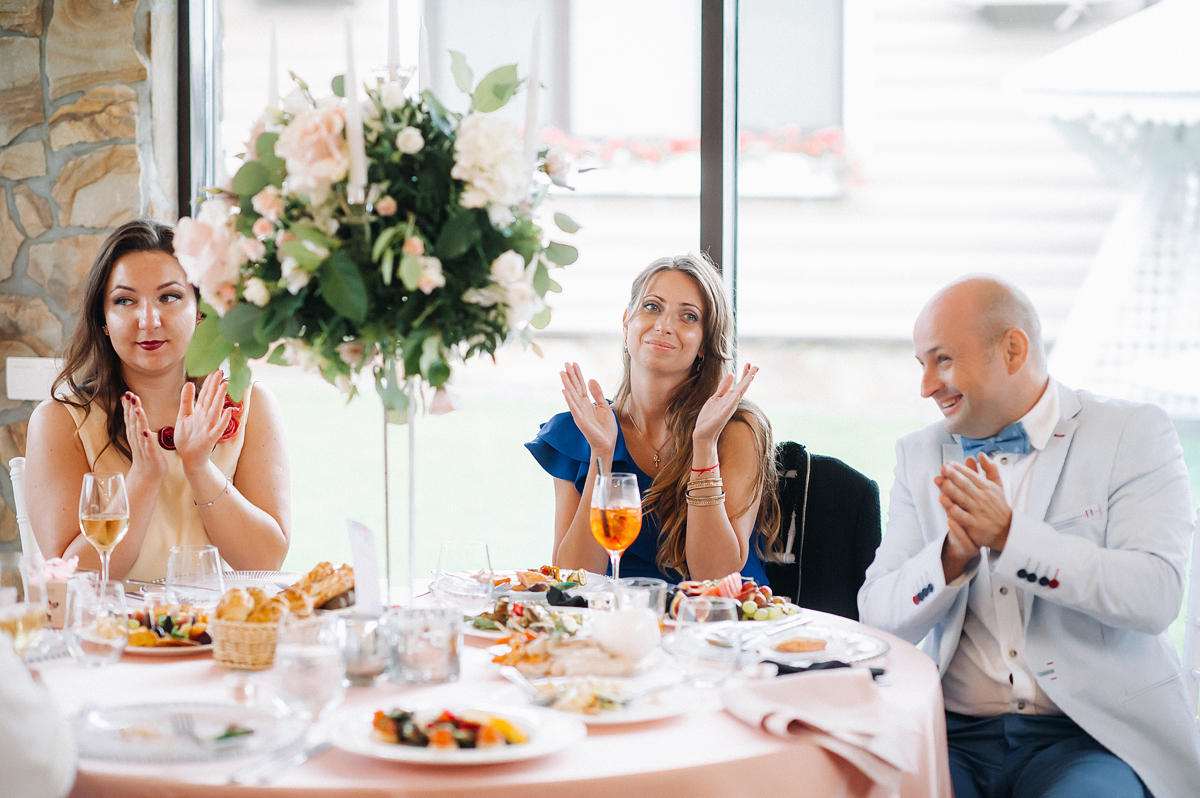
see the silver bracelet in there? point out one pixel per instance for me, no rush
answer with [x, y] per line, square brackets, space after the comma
[224, 490]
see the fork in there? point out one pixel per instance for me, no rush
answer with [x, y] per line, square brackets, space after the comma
[181, 724]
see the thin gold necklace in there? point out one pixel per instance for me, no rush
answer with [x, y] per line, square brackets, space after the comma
[647, 440]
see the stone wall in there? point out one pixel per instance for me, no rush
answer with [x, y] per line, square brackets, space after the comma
[78, 157]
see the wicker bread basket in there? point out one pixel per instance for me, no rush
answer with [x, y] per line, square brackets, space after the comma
[251, 646]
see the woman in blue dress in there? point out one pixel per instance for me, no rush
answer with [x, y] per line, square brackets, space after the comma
[703, 455]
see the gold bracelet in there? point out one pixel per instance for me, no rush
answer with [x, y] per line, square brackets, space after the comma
[224, 490]
[706, 501]
[700, 484]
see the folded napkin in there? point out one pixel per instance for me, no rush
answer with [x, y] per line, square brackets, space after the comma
[558, 598]
[839, 710]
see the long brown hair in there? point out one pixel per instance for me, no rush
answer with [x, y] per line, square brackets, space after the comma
[667, 497]
[91, 368]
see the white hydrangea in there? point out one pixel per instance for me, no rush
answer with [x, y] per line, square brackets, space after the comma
[508, 268]
[409, 140]
[488, 158]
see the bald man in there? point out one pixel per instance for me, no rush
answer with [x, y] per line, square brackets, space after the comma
[1036, 540]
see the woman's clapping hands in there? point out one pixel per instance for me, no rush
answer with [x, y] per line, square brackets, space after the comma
[719, 408]
[592, 414]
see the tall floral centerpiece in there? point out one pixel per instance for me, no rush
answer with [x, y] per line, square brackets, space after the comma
[437, 259]
[391, 239]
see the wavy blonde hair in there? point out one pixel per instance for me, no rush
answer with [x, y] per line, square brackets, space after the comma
[667, 496]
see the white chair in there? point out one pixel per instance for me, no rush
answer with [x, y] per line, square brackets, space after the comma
[1191, 641]
[16, 470]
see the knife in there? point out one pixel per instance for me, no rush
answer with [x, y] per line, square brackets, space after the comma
[277, 765]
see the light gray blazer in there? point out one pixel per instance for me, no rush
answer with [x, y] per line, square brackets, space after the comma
[1109, 515]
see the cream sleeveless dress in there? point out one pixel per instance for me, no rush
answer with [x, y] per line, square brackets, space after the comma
[176, 519]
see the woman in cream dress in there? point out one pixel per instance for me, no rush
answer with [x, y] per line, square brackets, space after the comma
[199, 468]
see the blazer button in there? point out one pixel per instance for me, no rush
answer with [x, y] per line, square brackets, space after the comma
[1020, 705]
[1004, 591]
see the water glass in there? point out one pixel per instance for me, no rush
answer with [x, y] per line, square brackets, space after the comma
[707, 642]
[425, 643]
[464, 578]
[97, 627]
[24, 610]
[194, 576]
[643, 592]
[362, 643]
[307, 673]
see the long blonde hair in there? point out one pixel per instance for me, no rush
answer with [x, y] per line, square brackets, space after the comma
[667, 496]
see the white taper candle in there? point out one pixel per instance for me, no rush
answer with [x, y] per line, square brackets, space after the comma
[393, 40]
[273, 69]
[531, 98]
[356, 188]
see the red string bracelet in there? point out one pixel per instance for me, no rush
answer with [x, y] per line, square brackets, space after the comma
[710, 468]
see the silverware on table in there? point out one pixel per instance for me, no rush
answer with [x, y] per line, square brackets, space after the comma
[277, 764]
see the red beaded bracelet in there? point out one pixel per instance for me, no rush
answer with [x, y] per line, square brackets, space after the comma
[710, 468]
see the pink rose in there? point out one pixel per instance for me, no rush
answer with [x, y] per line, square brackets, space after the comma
[351, 352]
[413, 246]
[431, 276]
[268, 203]
[253, 249]
[210, 253]
[386, 206]
[444, 402]
[314, 147]
[262, 228]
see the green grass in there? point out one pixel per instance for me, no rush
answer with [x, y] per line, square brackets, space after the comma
[474, 478]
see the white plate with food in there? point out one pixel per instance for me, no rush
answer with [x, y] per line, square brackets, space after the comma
[182, 732]
[605, 702]
[537, 732]
[168, 651]
[529, 583]
[507, 616]
[820, 644]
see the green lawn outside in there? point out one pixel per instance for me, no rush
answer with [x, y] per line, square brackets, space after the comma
[475, 480]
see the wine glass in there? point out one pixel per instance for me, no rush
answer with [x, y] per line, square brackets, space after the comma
[104, 514]
[464, 577]
[616, 515]
[308, 672]
[707, 641]
[24, 610]
[96, 620]
[194, 576]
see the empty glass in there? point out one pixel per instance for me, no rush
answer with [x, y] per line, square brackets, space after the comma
[97, 627]
[464, 578]
[425, 643]
[707, 642]
[308, 674]
[194, 576]
[643, 592]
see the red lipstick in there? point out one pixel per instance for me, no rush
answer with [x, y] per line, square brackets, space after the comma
[150, 346]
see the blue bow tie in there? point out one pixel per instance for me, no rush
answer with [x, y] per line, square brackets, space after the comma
[1011, 439]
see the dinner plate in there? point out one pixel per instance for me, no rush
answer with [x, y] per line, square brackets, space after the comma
[547, 731]
[595, 582]
[146, 733]
[669, 703]
[167, 651]
[268, 580]
[498, 634]
[845, 645]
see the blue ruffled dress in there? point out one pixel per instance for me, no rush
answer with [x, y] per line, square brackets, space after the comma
[561, 449]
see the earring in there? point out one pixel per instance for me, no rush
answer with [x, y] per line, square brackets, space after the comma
[626, 347]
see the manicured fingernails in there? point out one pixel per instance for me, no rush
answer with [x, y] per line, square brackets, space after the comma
[145, 433]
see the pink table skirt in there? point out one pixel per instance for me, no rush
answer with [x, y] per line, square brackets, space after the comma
[705, 752]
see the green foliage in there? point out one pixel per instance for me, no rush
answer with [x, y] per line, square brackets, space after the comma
[562, 254]
[462, 73]
[343, 288]
[252, 178]
[496, 89]
[566, 223]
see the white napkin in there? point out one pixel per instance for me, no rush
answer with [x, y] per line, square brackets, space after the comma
[839, 710]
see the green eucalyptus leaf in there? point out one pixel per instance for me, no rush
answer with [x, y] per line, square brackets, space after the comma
[410, 271]
[239, 321]
[252, 178]
[540, 321]
[565, 223]
[561, 254]
[207, 350]
[496, 88]
[265, 146]
[462, 73]
[431, 351]
[439, 372]
[439, 114]
[239, 375]
[276, 357]
[307, 259]
[386, 268]
[541, 279]
[338, 84]
[553, 288]
[384, 239]
[314, 234]
[255, 349]
[458, 234]
[342, 287]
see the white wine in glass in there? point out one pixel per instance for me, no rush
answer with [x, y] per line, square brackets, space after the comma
[104, 514]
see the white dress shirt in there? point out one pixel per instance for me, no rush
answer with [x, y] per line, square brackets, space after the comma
[988, 674]
[38, 745]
